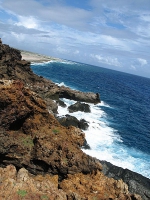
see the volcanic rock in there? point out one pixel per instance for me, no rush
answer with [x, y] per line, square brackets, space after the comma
[136, 182]
[22, 185]
[31, 137]
[78, 106]
[69, 120]
[96, 186]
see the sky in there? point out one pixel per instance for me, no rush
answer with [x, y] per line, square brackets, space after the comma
[114, 34]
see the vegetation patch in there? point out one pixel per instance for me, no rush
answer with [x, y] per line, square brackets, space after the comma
[27, 142]
[55, 131]
[22, 193]
[45, 197]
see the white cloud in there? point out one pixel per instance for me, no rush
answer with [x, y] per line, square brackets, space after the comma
[107, 60]
[77, 52]
[27, 22]
[142, 61]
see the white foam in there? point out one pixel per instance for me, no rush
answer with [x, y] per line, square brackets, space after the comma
[61, 84]
[106, 143]
[104, 104]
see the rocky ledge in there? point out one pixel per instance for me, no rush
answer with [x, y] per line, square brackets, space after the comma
[40, 158]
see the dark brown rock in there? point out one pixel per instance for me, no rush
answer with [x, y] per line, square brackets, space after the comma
[78, 106]
[69, 120]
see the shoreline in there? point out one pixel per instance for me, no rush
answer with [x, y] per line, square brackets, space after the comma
[36, 58]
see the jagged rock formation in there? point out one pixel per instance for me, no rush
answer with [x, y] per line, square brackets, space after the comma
[33, 138]
[136, 182]
[23, 185]
[48, 157]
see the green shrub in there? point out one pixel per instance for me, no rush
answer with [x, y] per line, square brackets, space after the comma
[55, 131]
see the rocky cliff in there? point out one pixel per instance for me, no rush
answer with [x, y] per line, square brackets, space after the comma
[40, 158]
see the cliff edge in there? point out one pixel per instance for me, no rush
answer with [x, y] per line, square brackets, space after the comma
[40, 158]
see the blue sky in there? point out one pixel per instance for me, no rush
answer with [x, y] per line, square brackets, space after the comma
[109, 33]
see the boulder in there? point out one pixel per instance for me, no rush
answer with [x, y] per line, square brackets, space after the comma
[69, 120]
[78, 106]
[61, 103]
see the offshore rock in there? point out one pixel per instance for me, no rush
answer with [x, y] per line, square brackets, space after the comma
[78, 106]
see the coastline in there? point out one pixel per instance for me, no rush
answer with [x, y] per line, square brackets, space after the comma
[33, 141]
[36, 58]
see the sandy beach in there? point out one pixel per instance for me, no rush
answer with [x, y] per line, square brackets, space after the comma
[36, 58]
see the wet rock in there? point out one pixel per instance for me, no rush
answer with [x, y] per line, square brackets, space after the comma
[61, 103]
[83, 124]
[86, 145]
[69, 120]
[78, 106]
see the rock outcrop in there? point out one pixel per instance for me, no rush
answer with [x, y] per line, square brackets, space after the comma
[136, 182]
[23, 185]
[31, 137]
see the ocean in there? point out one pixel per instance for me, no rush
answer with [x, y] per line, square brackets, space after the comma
[119, 126]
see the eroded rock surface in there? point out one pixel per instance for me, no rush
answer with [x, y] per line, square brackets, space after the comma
[136, 182]
[31, 137]
[23, 185]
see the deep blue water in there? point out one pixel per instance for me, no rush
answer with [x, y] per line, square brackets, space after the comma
[127, 97]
